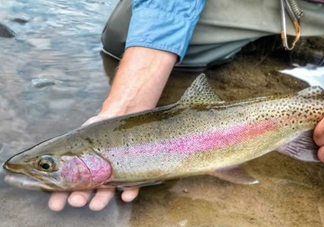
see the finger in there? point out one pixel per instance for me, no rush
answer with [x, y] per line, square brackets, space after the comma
[101, 199]
[319, 133]
[79, 198]
[89, 121]
[57, 201]
[129, 194]
[320, 154]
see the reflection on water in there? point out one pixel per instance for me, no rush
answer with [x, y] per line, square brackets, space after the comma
[314, 76]
[60, 43]
[52, 80]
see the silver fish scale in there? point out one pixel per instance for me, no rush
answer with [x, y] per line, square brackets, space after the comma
[290, 114]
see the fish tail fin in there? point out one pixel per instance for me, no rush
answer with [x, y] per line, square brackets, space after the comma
[301, 148]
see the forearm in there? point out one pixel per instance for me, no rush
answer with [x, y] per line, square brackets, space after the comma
[139, 81]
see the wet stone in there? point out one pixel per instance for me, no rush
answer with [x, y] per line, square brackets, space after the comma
[43, 82]
[6, 32]
[20, 20]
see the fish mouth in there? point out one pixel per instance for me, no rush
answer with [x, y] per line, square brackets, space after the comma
[26, 182]
[15, 177]
[15, 168]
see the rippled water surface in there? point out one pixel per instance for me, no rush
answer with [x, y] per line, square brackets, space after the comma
[53, 79]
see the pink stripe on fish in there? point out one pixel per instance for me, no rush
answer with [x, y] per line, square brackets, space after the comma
[216, 139]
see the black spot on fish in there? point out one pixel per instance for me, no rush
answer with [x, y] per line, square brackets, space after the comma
[89, 140]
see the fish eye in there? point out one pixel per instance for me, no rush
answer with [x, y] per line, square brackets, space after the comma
[46, 163]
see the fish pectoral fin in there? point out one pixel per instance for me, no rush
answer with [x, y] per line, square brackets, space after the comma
[123, 185]
[235, 175]
[137, 184]
[301, 148]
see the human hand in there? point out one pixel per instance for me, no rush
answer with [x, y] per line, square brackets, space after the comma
[101, 197]
[138, 85]
[99, 201]
[319, 139]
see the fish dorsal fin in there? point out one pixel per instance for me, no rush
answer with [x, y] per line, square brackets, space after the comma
[199, 92]
[312, 92]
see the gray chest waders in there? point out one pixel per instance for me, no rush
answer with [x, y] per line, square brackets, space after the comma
[225, 27]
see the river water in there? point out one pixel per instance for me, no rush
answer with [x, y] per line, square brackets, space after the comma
[53, 78]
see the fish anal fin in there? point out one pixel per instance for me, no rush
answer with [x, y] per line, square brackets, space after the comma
[301, 148]
[235, 175]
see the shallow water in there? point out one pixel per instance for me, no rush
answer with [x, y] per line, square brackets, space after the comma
[53, 79]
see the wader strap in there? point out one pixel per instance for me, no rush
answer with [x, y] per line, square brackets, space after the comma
[294, 12]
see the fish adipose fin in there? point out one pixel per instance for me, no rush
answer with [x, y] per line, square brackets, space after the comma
[301, 148]
[199, 92]
[235, 175]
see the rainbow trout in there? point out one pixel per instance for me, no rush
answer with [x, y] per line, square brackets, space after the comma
[200, 134]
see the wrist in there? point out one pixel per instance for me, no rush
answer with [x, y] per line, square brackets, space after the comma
[139, 81]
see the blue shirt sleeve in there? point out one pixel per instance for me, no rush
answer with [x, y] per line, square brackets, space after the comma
[164, 24]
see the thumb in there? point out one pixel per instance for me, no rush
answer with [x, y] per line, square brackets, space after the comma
[94, 119]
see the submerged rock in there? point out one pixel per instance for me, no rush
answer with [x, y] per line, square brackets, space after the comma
[20, 20]
[6, 32]
[43, 82]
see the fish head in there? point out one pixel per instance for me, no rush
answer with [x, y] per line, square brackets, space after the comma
[55, 165]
